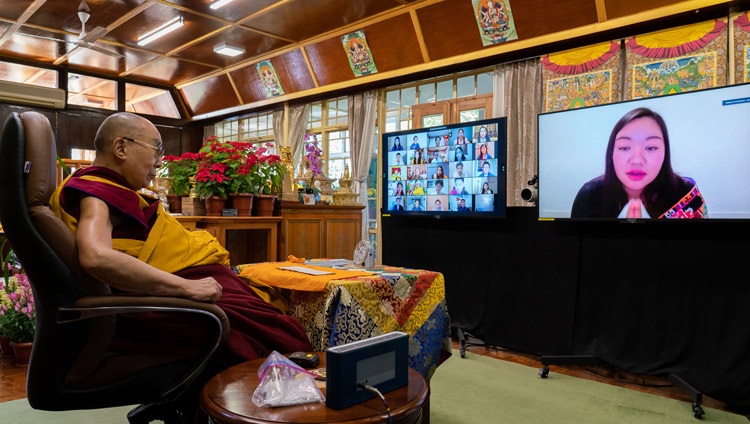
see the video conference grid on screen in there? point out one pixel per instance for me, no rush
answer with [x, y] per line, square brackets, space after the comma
[456, 168]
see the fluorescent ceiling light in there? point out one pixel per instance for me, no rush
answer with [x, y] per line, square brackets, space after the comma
[219, 3]
[161, 31]
[228, 50]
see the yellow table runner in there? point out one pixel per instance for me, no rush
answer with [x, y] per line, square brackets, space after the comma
[270, 274]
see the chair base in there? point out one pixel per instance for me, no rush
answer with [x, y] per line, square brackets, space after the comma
[149, 412]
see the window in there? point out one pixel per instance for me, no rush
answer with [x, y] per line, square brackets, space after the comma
[439, 101]
[329, 121]
[254, 128]
[89, 91]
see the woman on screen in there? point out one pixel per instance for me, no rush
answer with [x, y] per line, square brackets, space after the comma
[638, 180]
[397, 145]
[417, 158]
[459, 155]
[484, 136]
[440, 174]
[483, 155]
[486, 188]
[461, 138]
[399, 189]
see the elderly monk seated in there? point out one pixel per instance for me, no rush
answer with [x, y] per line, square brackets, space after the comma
[128, 241]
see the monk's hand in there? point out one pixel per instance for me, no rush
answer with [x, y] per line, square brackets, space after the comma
[634, 208]
[205, 290]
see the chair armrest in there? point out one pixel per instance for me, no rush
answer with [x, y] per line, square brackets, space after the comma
[97, 306]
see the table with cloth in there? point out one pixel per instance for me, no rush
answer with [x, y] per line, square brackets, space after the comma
[355, 304]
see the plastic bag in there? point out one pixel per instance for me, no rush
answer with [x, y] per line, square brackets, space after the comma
[282, 383]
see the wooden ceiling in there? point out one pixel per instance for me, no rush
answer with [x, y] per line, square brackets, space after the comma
[302, 39]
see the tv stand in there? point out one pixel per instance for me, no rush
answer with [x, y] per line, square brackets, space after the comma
[695, 395]
[566, 360]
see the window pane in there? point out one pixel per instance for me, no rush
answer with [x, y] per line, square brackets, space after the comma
[316, 115]
[445, 90]
[471, 115]
[465, 86]
[392, 100]
[336, 168]
[427, 93]
[150, 101]
[484, 83]
[91, 91]
[391, 121]
[432, 120]
[408, 97]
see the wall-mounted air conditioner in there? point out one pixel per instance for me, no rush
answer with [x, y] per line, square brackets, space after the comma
[33, 95]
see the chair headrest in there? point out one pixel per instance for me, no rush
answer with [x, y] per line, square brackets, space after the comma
[41, 158]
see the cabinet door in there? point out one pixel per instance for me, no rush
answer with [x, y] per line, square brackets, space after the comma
[304, 237]
[342, 235]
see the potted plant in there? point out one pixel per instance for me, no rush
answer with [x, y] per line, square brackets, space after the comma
[17, 316]
[225, 168]
[313, 165]
[269, 171]
[181, 169]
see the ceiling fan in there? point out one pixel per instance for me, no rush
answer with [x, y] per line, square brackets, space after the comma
[85, 39]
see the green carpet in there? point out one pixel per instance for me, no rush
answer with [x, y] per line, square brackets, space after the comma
[19, 412]
[478, 390]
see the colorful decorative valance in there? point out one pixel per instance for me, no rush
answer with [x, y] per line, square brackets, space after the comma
[741, 37]
[686, 58]
[582, 77]
[678, 41]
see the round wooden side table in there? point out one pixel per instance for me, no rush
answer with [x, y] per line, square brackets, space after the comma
[227, 398]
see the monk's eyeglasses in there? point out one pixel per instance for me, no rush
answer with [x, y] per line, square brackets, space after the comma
[158, 149]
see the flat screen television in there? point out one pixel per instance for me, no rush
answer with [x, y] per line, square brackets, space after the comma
[450, 170]
[707, 144]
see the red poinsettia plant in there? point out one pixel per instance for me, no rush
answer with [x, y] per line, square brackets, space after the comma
[231, 167]
[180, 169]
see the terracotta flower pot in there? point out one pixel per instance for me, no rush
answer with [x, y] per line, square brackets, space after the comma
[214, 205]
[263, 204]
[6, 350]
[22, 352]
[175, 203]
[243, 202]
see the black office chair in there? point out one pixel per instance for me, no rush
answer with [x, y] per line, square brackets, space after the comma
[81, 359]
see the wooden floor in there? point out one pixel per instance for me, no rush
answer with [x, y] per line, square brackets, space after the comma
[13, 378]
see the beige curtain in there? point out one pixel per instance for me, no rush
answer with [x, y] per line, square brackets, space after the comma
[297, 126]
[363, 114]
[209, 131]
[278, 128]
[517, 95]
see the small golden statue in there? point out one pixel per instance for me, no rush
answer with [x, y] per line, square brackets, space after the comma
[344, 196]
[288, 186]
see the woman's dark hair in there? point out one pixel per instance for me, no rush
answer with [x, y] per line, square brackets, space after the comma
[658, 196]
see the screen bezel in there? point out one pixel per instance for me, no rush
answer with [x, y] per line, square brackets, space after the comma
[691, 156]
[498, 169]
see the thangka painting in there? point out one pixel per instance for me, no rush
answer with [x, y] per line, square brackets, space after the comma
[687, 58]
[495, 21]
[269, 78]
[741, 48]
[358, 52]
[587, 76]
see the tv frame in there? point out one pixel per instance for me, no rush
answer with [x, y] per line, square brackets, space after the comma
[426, 137]
[586, 131]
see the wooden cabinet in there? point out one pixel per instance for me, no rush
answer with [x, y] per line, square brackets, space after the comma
[319, 231]
[248, 239]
